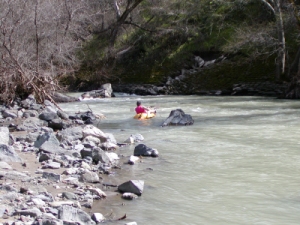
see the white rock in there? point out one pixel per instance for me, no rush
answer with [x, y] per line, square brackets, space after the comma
[133, 159]
[98, 217]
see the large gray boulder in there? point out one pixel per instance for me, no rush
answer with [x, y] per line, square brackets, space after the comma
[178, 117]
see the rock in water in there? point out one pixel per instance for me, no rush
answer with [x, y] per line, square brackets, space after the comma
[178, 117]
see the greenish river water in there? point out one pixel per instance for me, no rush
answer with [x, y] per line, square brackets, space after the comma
[239, 164]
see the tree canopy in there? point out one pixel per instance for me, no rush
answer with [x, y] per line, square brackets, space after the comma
[48, 44]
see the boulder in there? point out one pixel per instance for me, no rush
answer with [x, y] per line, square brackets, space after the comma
[89, 177]
[132, 186]
[90, 130]
[28, 102]
[105, 91]
[31, 123]
[9, 114]
[143, 150]
[8, 154]
[70, 134]
[178, 117]
[47, 142]
[70, 214]
[60, 97]
[98, 217]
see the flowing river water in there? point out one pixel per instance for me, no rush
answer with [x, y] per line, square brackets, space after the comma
[239, 164]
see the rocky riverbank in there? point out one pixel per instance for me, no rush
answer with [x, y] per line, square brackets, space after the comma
[55, 167]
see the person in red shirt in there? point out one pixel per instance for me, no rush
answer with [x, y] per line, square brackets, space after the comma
[139, 108]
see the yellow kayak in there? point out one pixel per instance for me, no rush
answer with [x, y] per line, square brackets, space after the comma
[144, 116]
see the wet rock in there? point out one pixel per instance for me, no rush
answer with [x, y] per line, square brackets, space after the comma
[143, 150]
[132, 186]
[178, 117]
[129, 196]
[133, 159]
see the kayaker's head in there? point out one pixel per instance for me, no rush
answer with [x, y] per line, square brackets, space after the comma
[138, 103]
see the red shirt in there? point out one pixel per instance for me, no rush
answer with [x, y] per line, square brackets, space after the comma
[140, 109]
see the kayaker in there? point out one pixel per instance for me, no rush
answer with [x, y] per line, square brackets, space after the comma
[140, 109]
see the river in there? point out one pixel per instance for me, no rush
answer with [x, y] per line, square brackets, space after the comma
[239, 164]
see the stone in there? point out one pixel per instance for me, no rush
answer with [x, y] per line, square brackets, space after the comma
[143, 150]
[98, 217]
[69, 195]
[89, 177]
[90, 130]
[33, 212]
[48, 116]
[4, 165]
[129, 196]
[71, 214]
[61, 97]
[51, 176]
[8, 154]
[133, 159]
[4, 135]
[178, 117]
[9, 114]
[132, 186]
[70, 134]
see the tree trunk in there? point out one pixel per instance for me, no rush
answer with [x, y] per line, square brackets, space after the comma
[281, 38]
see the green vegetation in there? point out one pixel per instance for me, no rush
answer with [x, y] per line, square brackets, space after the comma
[176, 31]
[82, 44]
